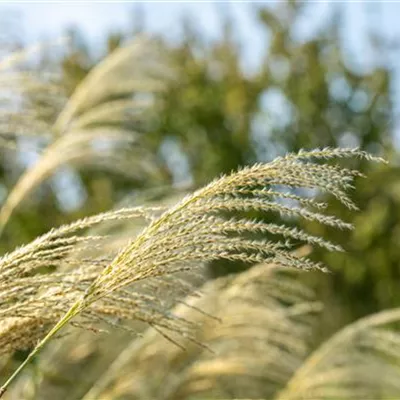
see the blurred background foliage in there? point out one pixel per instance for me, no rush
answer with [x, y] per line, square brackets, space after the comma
[216, 115]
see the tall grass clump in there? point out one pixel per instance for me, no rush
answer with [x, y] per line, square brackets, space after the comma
[215, 223]
[257, 326]
[262, 342]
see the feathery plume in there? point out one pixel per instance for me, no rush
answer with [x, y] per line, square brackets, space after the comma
[192, 231]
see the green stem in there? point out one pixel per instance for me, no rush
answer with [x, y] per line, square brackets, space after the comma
[74, 310]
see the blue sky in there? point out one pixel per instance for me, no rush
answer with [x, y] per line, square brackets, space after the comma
[94, 19]
[37, 20]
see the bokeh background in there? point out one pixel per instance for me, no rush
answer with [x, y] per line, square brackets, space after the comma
[251, 82]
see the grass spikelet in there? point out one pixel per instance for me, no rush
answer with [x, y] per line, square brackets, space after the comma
[55, 244]
[188, 233]
[28, 295]
[21, 333]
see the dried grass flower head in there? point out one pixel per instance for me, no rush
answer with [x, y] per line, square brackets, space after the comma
[205, 225]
